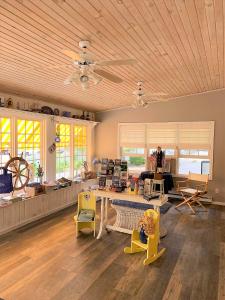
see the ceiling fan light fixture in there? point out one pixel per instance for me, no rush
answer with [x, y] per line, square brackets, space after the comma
[84, 78]
[84, 85]
[96, 80]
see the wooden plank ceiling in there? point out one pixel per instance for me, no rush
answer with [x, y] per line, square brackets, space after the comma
[179, 46]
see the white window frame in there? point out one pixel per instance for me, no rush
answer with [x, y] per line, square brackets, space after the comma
[14, 132]
[72, 145]
[144, 155]
[175, 146]
[48, 131]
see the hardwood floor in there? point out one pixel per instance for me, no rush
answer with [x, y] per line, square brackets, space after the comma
[44, 261]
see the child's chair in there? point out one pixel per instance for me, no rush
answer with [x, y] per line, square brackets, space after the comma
[152, 241]
[86, 212]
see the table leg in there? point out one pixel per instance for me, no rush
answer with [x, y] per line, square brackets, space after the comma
[106, 214]
[102, 218]
[106, 210]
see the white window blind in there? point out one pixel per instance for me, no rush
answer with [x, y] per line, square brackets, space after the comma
[132, 135]
[161, 134]
[195, 134]
[191, 143]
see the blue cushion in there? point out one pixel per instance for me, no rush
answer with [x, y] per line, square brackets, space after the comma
[141, 206]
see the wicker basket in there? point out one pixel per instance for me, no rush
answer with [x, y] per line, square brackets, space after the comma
[127, 217]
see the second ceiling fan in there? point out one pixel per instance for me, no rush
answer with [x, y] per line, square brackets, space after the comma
[87, 68]
[143, 99]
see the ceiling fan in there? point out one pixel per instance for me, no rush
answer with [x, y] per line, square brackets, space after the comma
[144, 99]
[87, 68]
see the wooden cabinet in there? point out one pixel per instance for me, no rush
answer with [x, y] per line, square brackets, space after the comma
[31, 209]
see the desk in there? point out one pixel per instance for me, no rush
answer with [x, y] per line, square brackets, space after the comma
[107, 196]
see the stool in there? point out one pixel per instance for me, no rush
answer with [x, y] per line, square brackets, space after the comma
[161, 185]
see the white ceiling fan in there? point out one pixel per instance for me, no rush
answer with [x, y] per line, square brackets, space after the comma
[86, 68]
[144, 99]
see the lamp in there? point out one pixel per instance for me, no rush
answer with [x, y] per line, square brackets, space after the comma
[84, 82]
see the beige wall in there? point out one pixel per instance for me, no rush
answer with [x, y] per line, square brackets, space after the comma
[205, 107]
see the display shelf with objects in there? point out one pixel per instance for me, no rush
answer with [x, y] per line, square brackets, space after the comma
[41, 115]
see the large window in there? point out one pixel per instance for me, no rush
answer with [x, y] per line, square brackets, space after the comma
[80, 148]
[5, 140]
[135, 158]
[63, 153]
[29, 142]
[194, 161]
[59, 145]
[189, 144]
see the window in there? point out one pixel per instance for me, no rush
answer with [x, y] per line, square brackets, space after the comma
[193, 165]
[63, 153]
[80, 148]
[29, 142]
[132, 146]
[136, 164]
[137, 151]
[5, 140]
[189, 144]
[194, 161]
[135, 158]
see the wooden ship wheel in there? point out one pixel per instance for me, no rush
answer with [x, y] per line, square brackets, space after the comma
[19, 168]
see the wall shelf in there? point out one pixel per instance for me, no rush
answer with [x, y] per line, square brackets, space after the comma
[41, 116]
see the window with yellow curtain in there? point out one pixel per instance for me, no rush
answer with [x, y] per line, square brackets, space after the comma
[5, 140]
[63, 154]
[80, 148]
[29, 142]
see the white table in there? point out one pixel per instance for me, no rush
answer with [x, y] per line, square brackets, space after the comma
[107, 196]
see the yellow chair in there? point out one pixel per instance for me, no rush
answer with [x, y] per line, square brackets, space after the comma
[86, 200]
[152, 242]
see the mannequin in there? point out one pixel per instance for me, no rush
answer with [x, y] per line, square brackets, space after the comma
[159, 158]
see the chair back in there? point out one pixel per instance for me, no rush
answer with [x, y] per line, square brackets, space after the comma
[203, 178]
[86, 200]
[155, 215]
[198, 177]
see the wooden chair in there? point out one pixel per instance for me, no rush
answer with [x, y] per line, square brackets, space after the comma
[192, 192]
[86, 201]
[152, 242]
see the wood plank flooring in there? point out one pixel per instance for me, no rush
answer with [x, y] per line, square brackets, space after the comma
[44, 261]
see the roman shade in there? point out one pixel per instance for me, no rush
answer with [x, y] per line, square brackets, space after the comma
[132, 135]
[179, 134]
[161, 134]
[195, 134]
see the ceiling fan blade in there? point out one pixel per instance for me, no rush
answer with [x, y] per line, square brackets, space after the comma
[71, 54]
[94, 77]
[119, 62]
[71, 79]
[108, 76]
[156, 94]
[84, 85]
[153, 100]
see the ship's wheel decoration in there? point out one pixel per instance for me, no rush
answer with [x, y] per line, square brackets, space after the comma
[19, 168]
